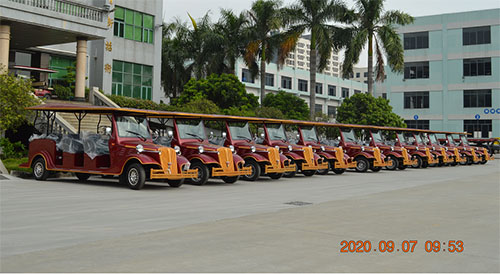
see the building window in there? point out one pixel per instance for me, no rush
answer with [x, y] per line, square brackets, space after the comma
[357, 91]
[300, 63]
[476, 36]
[133, 25]
[132, 80]
[417, 70]
[365, 74]
[478, 128]
[332, 90]
[318, 108]
[477, 67]
[246, 76]
[384, 95]
[332, 111]
[416, 99]
[302, 85]
[270, 79]
[477, 98]
[61, 64]
[418, 124]
[286, 82]
[358, 74]
[416, 40]
[319, 88]
[345, 93]
[290, 62]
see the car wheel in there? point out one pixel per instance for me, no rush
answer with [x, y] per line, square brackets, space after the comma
[230, 180]
[324, 171]
[291, 174]
[419, 162]
[275, 176]
[338, 170]
[249, 162]
[40, 171]
[82, 176]
[134, 176]
[203, 173]
[394, 162]
[362, 164]
[309, 173]
[175, 183]
[376, 168]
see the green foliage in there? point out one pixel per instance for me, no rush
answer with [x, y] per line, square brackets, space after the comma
[15, 95]
[225, 90]
[128, 102]
[70, 77]
[12, 150]
[269, 112]
[200, 105]
[62, 92]
[364, 109]
[13, 164]
[290, 105]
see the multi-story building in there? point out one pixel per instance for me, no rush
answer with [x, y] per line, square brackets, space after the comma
[330, 90]
[451, 78]
[301, 56]
[360, 75]
[118, 44]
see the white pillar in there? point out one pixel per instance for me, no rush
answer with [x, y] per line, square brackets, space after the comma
[4, 48]
[81, 68]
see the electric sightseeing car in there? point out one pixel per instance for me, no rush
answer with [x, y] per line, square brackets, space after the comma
[124, 147]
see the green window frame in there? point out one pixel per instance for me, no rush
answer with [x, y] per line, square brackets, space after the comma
[133, 25]
[132, 80]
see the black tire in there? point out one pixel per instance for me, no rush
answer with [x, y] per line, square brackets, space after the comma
[394, 161]
[441, 162]
[376, 168]
[483, 160]
[82, 176]
[425, 164]
[40, 171]
[134, 176]
[325, 171]
[463, 163]
[107, 176]
[275, 176]
[230, 180]
[419, 163]
[203, 173]
[469, 161]
[362, 164]
[175, 183]
[309, 173]
[249, 162]
[338, 170]
[291, 174]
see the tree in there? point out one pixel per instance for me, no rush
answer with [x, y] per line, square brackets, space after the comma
[316, 16]
[265, 38]
[364, 109]
[200, 105]
[15, 95]
[373, 25]
[269, 112]
[290, 105]
[225, 90]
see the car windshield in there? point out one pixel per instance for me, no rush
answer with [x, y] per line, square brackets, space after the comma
[309, 134]
[464, 140]
[434, 139]
[408, 139]
[131, 126]
[191, 129]
[349, 136]
[419, 139]
[240, 131]
[276, 132]
[377, 137]
[450, 140]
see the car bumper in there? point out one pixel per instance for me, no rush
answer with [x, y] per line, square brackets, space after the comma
[307, 166]
[221, 172]
[168, 175]
[273, 169]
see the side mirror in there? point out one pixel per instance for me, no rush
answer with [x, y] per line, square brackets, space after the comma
[262, 135]
[338, 138]
[370, 139]
[170, 134]
[298, 136]
[108, 131]
[224, 135]
[211, 135]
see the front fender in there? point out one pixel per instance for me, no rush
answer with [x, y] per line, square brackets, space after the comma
[144, 159]
[49, 162]
[328, 155]
[393, 153]
[237, 159]
[293, 155]
[283, 158]
[419, 153]
[364, 154]
[204, 158]
[257, 157]
[181, 160]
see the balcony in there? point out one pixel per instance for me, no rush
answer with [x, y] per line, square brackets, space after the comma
[67, 7]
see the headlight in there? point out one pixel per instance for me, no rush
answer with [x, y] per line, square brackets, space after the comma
[392, 148]
[252, 148]
[446, 148]
[290, 147]
[362, 148]
[177, 149]
[186, 167]
[200, 149]
[433, 148]
[139, 148]
[323, 148]
[231, 147]
[310, 146]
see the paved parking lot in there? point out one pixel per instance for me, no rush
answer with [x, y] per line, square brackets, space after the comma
[65, 226]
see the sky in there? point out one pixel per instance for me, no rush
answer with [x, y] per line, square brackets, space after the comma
[197, 8]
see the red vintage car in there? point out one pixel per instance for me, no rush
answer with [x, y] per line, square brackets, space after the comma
[398, 155]
[424, 155]
[124, 148]
[445, 157]
[472, 154]
[329, 150]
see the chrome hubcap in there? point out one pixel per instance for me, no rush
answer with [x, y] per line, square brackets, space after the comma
[361, 165]
[38, 169]
[133, 176]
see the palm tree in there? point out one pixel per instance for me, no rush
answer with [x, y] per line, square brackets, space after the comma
[315, 16]
[372, 24]
[265, 38]
[231, 29]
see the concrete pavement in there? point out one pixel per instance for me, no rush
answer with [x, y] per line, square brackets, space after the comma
[62, 225]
